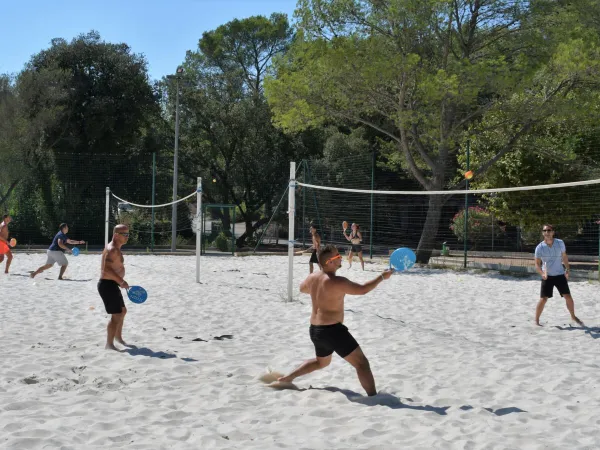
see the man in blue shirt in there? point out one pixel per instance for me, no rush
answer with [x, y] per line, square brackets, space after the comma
[552, 264]
[56, 252]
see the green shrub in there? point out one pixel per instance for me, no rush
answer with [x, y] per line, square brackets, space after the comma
[223, 242]
[479, 227]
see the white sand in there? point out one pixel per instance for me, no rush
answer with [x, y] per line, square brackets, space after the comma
[456, 358]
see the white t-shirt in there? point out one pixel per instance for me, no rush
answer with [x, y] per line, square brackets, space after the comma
[551, 257]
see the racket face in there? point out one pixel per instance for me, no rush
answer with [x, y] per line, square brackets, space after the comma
[137, 294]
[13, 242]
[75, 251]
[402, 259]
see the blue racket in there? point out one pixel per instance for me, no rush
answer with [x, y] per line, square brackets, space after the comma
[402, 259]
[75, 251]
[137, 294]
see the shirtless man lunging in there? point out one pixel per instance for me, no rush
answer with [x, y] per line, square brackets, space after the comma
[6, 219]
[327, 332]
[111, 280]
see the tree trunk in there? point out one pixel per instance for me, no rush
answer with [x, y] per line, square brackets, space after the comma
[226, 221]
[11, 188]
[430, 229]
[241, 241]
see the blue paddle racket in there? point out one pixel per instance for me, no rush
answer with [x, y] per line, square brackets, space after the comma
[75, 251]
[137, 294]
[402, 259]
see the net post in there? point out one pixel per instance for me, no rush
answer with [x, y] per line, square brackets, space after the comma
[153, 196]
[291, 213]
[106, 216]
[198, 226]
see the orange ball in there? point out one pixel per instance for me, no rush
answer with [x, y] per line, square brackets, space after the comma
[469, 174]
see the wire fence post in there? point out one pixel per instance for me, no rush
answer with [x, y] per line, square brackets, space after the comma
[467, 207]
[372, 189]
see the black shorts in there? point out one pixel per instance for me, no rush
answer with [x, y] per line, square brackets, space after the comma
[356, 248]
[332, 338]
[558, 281]
[111, 295]
[313, 258]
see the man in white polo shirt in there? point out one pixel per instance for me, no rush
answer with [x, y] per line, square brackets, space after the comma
[552, 264]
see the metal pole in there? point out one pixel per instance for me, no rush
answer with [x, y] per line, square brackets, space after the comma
[233, 233]
[492, 231]
[106, 216]
[198, 227]
[291, 220]
[467, 207]
[175, 173]
[153, 195]
[372, 189]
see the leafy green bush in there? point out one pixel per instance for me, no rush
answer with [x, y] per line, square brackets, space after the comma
[479, 227]
[223, 242]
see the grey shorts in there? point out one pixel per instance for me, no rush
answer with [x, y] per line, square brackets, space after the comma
[56, 256]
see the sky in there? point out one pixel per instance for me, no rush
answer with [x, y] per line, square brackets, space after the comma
[162, 30]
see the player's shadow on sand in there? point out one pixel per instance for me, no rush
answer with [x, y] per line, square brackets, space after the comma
[594, 332]
[383, 399]
[144, 351]
[393, 402]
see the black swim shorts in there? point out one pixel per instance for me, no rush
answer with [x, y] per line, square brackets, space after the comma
[332, 338]
[111, 295]
[561, 283]
[313, 258]
[356, 248]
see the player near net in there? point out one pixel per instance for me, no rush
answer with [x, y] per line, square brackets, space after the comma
[355, 238]
[316, 245]
[552, 263]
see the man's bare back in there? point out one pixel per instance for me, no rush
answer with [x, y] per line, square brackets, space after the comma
[327, 292]
[327, 298]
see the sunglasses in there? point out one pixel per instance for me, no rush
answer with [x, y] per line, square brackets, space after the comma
[124, 234]
[547, 230]
[333, 258]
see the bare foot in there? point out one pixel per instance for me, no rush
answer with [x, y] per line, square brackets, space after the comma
[287, 379]
[111, 347]
[122, 342]
[538, 324]
[32, 274]
[576, 320]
